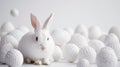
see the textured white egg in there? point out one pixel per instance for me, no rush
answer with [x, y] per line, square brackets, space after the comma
[88, 53]
[83, 63]
[58, 54]
[112, 41]
[79, 40]
[82, 29]
[96, 44]
[70, 52]
[60, 36]
[102, 37]
[9, 39]
[17, 34]
[6, 27]
[106, 58]
[115, 30]
[14, 58]
[14, 12]
[95, 32]
[24, 29]
[3, 51]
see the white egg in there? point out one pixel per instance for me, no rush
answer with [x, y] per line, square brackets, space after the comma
[23, 29]
[112, 41]
[102, 37]
[58, 54]
[69, 30]
[6, 27]
[14, 12]
[96, 44]
[83, 63]
[106, 58]
[82, 29]
[3, 51]
[70, 52]
[79, 40]
[95, 32]
[9, 39]
[14, 58]
[88, 53]
[17, 34]
[116, 31]
[60, 36]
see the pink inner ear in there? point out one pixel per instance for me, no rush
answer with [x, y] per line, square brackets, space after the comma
[34, 21]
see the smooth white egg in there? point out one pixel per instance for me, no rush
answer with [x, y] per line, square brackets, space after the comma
[3, 51]
[9, 39]
[6, 27]
[96, 44]
[69, 30]
[106, 58]
[79, 40]
[14, 58]
[58, 54]
[88, 53]
[83, 63]
[112, 41]
[70, 52]
[60, 36]
[95, 32]
[23, 29]
[14, 12]
[82, 29]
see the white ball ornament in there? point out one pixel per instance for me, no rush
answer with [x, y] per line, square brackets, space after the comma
[83, 63]
[88, 53]
[58, 54]
[82, 29]
[95, 32]
[112, 41]
[70, 52]
[6, 27]
[3, 51]
[14, 12]
[14, 58]
[96, 45]
[60, 36]
[106, 58]
[116, 31]
[79, 40]
[9, 39]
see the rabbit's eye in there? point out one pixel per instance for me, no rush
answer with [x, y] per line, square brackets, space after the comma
[36, 38]
[48, 38]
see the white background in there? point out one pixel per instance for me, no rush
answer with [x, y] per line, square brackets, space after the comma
[67, 13]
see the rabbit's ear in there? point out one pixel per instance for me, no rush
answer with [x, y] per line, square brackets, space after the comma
[34, 21]
[47, 21]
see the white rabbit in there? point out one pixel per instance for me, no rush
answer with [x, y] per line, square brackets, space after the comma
[38, 46]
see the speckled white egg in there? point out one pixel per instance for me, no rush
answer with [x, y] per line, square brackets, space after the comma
[17, 34]
[9, 39]
[102, 37]
[24, 29]
[14, 12]
[88, 53]
[58, 54]
[79, 40]
[82, 29]
[60, 36]
[6, 27]
[14, 58]
[83, 63]
[3, 51]
[96, 44]
[70, 52]
[106, 58]
[115, 30]
[112, 41]
[95, 32]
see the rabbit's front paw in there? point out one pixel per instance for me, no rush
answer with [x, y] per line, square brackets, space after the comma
[29, 61]
[38, 62]
[46, 61]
